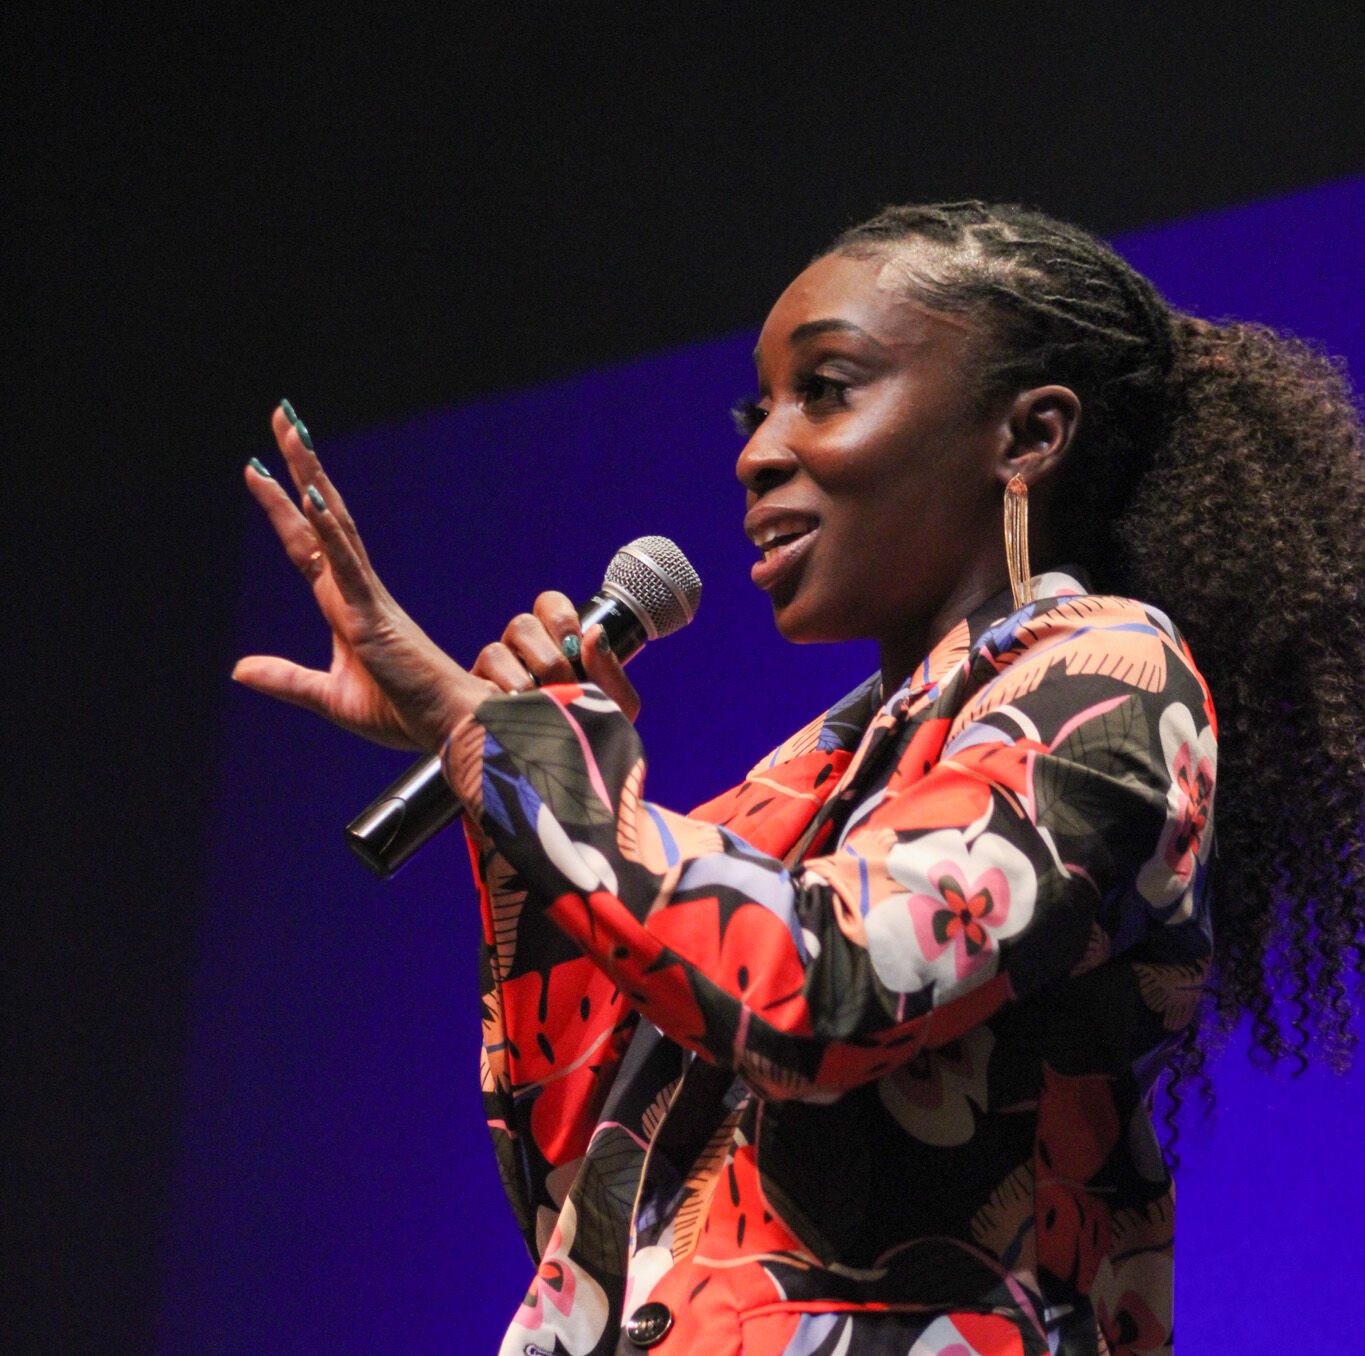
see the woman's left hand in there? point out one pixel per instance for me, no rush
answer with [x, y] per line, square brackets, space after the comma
[388, 681]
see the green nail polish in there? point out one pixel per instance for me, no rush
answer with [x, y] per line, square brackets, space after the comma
[572, 647]
[603, 644]
[289, 412]
[302, 430]
[316, 499]
[258, 466]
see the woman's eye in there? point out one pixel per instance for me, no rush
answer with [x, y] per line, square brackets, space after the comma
[747, 416]
[822, 391]
[814, 391]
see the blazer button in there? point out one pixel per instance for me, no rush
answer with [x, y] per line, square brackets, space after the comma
[649, 1324]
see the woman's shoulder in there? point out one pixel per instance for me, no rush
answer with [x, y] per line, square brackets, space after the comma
[1065, 609]
[1067, 636]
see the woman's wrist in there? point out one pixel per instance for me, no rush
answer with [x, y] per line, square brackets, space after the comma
[464, 694]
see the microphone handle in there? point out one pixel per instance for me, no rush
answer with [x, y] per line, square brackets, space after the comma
[406, 815]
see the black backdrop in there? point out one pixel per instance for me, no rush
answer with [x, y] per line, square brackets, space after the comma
[374, 214]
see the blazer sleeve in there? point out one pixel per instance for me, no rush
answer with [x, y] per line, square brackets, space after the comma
[1060, 815]
[555, 1030]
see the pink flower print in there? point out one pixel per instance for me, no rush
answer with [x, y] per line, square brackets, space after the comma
[1194, 787]
[962, 900]
[1191, 757]
[565, 1303]
[961, 926]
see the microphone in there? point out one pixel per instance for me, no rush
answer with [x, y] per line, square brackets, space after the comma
[650, 590]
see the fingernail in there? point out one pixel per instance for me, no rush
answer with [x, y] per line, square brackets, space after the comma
[258, 466]
[572, 647]
[302, 430]
[289, 412]
[316, 499]
[603, 644]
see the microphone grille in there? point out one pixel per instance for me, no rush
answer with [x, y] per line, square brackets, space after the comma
[659, 579]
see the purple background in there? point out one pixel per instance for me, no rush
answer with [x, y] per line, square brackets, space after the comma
[336, 1191]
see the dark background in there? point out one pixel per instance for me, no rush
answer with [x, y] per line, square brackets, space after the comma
[375, 214]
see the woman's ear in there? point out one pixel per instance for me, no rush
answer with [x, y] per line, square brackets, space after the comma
[1042, 425]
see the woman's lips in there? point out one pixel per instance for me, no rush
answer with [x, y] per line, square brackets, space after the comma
[780, 562]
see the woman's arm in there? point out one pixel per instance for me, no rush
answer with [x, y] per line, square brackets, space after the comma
[554, 1027]
[1056, 815]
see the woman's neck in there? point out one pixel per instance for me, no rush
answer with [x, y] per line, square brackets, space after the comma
[904, 651]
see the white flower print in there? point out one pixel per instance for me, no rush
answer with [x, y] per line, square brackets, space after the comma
[1191, 759]
[931, 1096]
[962, 899]
[565, 1302]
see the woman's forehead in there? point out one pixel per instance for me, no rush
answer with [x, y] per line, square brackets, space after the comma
[874, 294]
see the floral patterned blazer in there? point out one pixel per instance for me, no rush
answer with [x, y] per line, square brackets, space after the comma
[855, 1057]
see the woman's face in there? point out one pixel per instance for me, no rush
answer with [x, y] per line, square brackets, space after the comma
[874, 491]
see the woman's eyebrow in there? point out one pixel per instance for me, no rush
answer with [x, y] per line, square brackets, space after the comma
[811, 328]
[814, 327]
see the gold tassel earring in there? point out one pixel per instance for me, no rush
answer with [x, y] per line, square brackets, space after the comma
[1016, 541]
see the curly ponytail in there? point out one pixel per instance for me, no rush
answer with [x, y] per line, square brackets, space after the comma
[1218, 473]
[1250, 529]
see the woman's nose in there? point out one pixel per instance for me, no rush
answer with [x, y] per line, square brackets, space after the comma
[766, 461]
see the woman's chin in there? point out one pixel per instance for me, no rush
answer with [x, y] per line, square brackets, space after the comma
[802, 625]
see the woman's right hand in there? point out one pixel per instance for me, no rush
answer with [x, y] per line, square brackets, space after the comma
[387, 681]
[538, 647]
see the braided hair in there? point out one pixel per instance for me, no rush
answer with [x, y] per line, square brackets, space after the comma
[1218, 473]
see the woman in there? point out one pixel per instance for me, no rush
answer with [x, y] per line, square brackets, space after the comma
[858, 1057]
